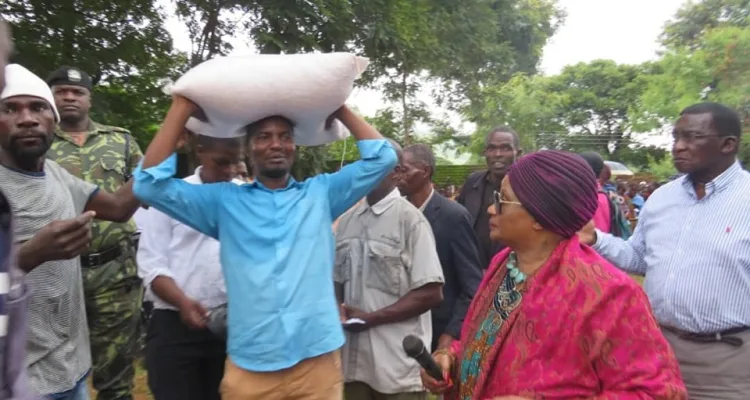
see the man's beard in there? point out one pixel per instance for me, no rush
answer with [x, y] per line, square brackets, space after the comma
[274, 173]
[28, 156]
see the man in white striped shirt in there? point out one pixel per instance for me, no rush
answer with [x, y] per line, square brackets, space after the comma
[692, 243]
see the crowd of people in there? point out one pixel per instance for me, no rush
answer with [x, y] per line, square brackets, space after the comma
[266, 287]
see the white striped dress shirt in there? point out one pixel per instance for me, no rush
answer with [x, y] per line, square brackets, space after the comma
[694, 253]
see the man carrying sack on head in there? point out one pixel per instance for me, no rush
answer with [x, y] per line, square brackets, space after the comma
[277, 250]
[105, 156]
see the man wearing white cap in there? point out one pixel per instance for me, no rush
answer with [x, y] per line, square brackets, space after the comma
[53, 212]
[14, 293]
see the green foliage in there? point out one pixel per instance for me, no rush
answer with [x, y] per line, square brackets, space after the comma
[343, 150]
[122, 45]
[662, 169]
[583, 108]
[524, 103]
[462, 44]
[718, 69]
[744, 154]
[639, 157]
[695, 19]
[454, 174]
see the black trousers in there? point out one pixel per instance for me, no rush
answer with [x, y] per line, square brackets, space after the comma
[182, 363]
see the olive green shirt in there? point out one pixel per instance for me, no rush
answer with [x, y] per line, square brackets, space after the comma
[106, 158]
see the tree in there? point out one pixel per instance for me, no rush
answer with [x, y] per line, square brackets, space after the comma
[122, 45]
[524, 103]
[694, 19]
[583, 108]
[640, 157]
[459, 43]
[595, 101]
[716, 70]
[662, 169]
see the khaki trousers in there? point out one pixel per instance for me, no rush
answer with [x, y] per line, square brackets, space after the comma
[713, 371]
[317, 378]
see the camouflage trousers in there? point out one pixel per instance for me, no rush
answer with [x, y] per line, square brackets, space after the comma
[113, 307]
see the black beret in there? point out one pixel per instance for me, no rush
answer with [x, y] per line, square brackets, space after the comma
[69, 76]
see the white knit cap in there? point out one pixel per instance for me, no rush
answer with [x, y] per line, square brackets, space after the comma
[19, 81]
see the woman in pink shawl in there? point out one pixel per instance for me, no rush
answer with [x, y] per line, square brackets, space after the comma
[552, 319]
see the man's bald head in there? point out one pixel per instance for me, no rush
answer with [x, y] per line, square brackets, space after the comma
[6, 48]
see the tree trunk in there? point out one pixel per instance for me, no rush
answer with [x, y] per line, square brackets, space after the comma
[405, 109]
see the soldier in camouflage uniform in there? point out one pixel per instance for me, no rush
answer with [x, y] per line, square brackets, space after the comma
[103, 155]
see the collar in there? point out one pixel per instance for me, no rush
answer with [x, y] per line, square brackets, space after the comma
[717, 184]
[92, 129]
[427, 201]
[196, 178]
[381, 206]
[289, 184]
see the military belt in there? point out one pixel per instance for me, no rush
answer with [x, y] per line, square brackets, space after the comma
[96, 259]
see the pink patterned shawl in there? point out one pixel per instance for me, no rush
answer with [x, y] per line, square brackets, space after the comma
[583, 330]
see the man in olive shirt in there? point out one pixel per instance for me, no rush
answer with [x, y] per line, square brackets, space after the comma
[105, 156]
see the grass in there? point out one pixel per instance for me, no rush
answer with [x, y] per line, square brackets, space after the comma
[141, 391]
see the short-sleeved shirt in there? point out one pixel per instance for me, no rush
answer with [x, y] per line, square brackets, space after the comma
[58, 352]
[383, 252]
[105, 156]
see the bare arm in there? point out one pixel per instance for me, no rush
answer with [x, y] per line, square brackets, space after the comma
[168, 138]
[359, 128]
[415, 303]
[118, 206]
[166, 288]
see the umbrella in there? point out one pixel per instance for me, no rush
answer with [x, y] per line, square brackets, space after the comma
[618, 169]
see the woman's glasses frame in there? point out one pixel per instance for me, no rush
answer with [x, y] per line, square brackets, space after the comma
[499, 201]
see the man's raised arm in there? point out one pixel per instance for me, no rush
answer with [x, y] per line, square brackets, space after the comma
[354, 181]
[193, 205]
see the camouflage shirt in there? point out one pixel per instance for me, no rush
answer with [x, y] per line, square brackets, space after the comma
[104, 156]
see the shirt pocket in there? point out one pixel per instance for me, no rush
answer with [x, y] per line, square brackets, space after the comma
[112, 169]
[342, 271]
[384, 267]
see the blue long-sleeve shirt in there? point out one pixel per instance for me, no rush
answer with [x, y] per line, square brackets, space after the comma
[277, 252]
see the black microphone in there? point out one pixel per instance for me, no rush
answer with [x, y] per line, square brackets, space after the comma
[414, 348]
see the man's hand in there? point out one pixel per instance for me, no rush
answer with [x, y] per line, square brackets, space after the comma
[193, 314]
[587, 234]
[331, 118]
[434, 386]
[342, 313]
[444, 341]
[183, 103]
[58, 240]
[349, 313]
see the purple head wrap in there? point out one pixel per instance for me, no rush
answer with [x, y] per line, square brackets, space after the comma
[557, 188]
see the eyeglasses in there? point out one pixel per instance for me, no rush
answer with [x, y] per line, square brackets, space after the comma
[499, 201]
[690, 137]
